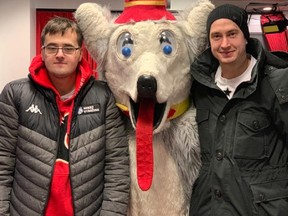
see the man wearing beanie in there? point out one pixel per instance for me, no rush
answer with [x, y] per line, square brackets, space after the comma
[240, 91]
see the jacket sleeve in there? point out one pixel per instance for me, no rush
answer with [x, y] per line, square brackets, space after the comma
[278, 80]
[117, 173]
[8, 140]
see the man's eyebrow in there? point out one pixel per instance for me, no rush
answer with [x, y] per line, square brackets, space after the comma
[51, 44]
[215, 33]
[63, 45]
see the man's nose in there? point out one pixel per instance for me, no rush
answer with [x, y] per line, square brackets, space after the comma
[60, 52]
[225, 42]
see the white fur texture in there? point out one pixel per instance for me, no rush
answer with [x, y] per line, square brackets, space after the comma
[175, 142]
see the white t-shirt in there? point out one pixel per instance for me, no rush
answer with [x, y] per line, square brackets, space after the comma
[228, 86]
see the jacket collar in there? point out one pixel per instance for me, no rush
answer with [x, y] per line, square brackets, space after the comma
[204, 68]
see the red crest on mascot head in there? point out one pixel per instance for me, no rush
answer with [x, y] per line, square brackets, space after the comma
[137, 11]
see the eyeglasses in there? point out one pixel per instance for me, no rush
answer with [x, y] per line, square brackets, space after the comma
[52, 50]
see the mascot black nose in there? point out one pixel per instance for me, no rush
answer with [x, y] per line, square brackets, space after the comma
[146, 86]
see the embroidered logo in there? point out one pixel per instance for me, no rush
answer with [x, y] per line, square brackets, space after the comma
[33, 109]
[89, 109]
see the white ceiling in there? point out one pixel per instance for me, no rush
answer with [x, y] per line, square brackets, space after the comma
[255, 5]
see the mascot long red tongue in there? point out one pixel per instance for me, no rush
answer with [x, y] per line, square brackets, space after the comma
[137, 11]
[144, 140]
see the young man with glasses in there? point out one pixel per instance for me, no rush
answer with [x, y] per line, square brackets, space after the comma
[63, 147]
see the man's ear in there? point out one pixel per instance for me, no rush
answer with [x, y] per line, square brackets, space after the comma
[42, 54]
[80, 54]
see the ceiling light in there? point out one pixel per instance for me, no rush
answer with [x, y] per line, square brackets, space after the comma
[267, 9]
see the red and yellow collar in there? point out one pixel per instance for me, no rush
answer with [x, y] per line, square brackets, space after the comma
[174, 112]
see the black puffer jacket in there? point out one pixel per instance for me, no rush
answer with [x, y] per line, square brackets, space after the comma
[99, 165]
[243, 140]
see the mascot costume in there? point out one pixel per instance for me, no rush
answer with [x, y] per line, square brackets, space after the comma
[144, 54]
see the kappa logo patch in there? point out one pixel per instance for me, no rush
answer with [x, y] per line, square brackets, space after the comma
[34, 109]
[89, 109]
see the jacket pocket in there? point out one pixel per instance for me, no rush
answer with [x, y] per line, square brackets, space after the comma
[271, 198]
[202, 118]
[250, 136]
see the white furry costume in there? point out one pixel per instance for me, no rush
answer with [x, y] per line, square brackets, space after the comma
[159, 52]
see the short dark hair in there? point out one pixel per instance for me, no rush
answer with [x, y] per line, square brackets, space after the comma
[61, 25]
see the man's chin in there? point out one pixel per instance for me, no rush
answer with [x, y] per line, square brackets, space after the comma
[227, 60]
[60, 74]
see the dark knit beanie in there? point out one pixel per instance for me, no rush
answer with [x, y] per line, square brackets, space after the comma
[232, 12]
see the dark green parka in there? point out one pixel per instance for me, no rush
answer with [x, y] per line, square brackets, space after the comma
[243, 140]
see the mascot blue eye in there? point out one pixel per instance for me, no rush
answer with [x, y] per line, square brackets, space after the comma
[126, 52]
[167, 42]
[167, 49]
[125, 44]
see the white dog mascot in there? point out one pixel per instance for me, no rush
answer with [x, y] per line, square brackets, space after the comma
[145, 55]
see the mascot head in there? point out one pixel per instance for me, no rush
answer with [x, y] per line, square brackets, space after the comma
[145, 55]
